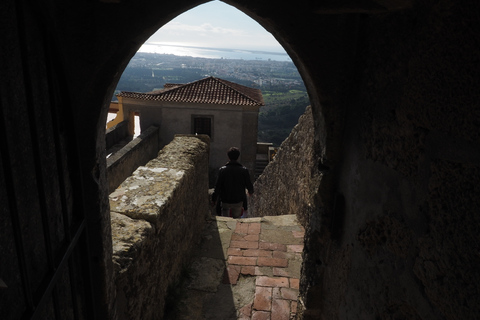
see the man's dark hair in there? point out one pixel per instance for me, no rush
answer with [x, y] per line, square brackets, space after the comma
[233, 153]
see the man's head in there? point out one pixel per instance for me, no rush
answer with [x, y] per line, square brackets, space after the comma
[233, 153]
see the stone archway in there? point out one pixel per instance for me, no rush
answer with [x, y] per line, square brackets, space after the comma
[294, 46]
[298, 61]
[350, 89]
[394, 92]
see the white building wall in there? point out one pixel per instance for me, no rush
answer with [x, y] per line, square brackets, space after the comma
[176, 118]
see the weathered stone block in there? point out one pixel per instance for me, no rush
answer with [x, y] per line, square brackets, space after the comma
[291, 178]
[156, 215]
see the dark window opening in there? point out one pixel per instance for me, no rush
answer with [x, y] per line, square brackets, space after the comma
[202, 125]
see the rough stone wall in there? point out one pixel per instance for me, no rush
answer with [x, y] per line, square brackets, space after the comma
[157, 215]
[290, 182]
[400, 240]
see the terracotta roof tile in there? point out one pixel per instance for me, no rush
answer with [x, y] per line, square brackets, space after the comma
[208, 90]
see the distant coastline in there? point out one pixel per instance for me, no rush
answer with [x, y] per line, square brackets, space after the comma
[213, 53]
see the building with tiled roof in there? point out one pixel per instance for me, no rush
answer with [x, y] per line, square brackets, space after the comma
[226, 111]
[210, 90]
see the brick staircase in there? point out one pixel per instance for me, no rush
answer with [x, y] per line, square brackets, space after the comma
[244, 269]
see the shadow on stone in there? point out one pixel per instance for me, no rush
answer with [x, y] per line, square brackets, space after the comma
[202, 293]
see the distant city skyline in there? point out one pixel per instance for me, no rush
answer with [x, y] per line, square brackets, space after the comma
[214, 25]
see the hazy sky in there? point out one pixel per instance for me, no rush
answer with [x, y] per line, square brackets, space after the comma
[217, 25]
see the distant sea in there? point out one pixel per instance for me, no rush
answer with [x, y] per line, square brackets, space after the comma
[214, 53]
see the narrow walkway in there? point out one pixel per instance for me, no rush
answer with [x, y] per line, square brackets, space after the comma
[244, 269]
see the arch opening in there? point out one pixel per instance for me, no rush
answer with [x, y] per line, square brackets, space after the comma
[396, 81]
[204, 47]
[294, 90]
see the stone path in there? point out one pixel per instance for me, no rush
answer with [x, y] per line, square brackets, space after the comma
[244, 269]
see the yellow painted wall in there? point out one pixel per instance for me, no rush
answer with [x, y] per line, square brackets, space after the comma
[121, 116]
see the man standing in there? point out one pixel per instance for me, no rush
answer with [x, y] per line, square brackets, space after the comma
[233, 179]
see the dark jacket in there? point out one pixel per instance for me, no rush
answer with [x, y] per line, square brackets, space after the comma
[233, 179]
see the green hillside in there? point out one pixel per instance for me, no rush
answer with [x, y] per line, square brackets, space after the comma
[280, 114]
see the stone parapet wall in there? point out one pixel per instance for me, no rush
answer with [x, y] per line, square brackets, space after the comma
[116, 134]
[136, 153]
[291, 178]
[157, 215]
